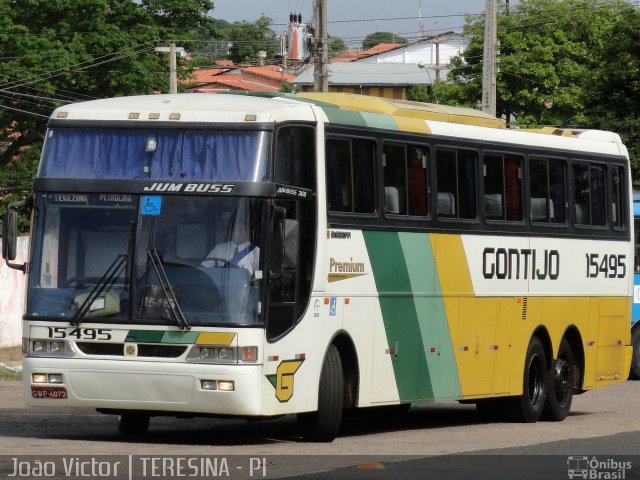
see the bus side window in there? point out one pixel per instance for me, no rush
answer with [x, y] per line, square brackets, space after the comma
[502, 187]
[350, 179]
[618, 211]
[589, 194]
[395, 179]
[295, 156]
[405, 180]
[456, 180]
[547, 190]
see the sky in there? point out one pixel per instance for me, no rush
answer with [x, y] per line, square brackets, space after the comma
[352, 20]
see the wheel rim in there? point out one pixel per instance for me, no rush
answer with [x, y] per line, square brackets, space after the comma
[562, 380]
[535, 380]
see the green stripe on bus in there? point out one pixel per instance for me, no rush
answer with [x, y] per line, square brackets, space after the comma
[399, 314]
[376, 120]
[180, 337]
[345, 117]
[432, 318]
[144, 336]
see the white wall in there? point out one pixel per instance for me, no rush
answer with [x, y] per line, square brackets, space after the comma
[12, 292]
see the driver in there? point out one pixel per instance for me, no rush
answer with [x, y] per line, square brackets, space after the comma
[236, 252]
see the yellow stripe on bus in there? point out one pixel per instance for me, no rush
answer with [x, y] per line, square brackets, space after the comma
[215, 338]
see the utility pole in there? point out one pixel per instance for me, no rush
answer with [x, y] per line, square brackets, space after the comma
[437, 44]
[489, 58]
[321, 53]
[173, 69]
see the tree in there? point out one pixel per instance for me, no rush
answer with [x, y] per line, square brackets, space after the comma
[71, 50]
[336, 45]
[376, 38]
[248, 39]
[549, 51]
[613, 101]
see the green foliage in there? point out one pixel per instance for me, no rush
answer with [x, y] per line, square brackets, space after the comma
[420, 93]
[249, 38]
[376, 38]
[568, 63]
[336, 45]
[8, 374]
[63, 51]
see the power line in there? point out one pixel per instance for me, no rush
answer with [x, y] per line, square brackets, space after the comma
[23, 111]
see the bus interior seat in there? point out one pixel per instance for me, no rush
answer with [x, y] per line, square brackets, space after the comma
[391, 200]
[539, 210]
[493, 205]
[581, 214]
[446, 204]
[191, 241]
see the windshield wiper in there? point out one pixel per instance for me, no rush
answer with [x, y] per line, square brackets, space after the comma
[167, 289]
[105, 283]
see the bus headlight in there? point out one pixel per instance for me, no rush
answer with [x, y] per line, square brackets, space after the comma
[40, 347]
[223, 354]
[56, 347]
[207, 353]
[51, 348]
[226, 353]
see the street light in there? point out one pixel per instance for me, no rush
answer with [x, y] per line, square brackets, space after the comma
[424, 67]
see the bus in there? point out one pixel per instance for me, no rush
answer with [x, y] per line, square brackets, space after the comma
[635, 308]
[257, 255]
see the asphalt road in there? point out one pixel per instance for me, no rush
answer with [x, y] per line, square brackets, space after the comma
[600, 438]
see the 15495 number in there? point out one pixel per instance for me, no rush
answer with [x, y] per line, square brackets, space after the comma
[607, 266]
[80, 333]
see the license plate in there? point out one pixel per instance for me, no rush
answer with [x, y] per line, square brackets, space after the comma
[49, 392]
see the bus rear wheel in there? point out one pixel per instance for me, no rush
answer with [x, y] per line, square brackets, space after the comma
[323, 425]
[527, 408]
[560, 385]
[635, 358]
[133, 423]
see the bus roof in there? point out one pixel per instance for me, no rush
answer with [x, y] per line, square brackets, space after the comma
[338, 108]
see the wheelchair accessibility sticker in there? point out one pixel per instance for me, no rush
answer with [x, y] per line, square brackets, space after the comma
[150, 205]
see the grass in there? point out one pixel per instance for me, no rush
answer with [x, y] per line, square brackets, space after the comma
[6, 374]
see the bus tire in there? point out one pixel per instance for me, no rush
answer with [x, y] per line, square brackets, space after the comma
[634, 374]
[527, 408]
[323, 425]
[133, 423]
[560, 385]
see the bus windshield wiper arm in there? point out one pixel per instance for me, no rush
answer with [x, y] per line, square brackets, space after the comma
[105, 283]
[167, 289]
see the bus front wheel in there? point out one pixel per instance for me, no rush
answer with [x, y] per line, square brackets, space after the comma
[323, 425]
[528, 407]
[133, 423]
[560, 385]
[635, 358]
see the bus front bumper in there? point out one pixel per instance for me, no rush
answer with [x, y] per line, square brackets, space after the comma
[147, 386]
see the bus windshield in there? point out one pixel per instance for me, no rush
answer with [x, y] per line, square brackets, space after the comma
[142, 255]
[141, 154]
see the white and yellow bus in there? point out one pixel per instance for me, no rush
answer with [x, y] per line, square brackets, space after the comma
[254, 256]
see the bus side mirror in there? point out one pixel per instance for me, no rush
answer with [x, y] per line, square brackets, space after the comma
[9, 235]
